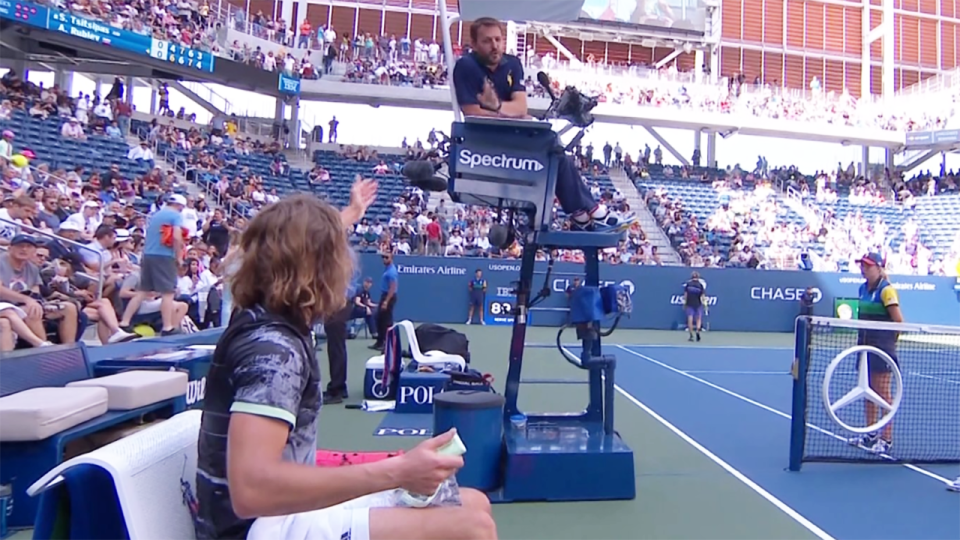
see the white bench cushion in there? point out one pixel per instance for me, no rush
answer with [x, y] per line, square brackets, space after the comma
[133, 389]
[38, 413]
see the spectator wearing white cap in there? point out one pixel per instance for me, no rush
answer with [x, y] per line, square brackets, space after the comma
[142, 152]
[73, 130]
[162, 256]
[6, 146]
[191, 219]
[87, 219]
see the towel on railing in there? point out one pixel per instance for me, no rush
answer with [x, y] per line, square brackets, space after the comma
[392, 359]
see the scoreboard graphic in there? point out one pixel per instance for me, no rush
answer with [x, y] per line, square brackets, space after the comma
[499, 308]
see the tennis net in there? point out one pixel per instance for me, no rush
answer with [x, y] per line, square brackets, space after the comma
[926, 421]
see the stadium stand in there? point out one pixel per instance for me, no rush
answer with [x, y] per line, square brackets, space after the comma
[416, 61]
[86, 152]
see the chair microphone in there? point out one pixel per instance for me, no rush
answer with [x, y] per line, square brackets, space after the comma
[544, 81]
[423, 174]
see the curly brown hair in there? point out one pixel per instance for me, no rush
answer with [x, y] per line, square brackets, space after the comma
[296, 261]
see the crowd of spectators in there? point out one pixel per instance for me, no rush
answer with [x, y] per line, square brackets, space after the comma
[753, 225]
[453, 229]
[53, 289]
[666, 88]
[370, 57]
[781, 219]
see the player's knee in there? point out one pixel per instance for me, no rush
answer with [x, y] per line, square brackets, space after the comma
[475, 500]
[479, 525]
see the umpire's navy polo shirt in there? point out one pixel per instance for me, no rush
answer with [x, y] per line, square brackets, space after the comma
[469, 75]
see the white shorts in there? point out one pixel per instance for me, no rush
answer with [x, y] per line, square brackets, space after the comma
[347, 521]
[148, 307]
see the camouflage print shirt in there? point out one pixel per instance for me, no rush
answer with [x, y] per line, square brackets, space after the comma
[263, 366]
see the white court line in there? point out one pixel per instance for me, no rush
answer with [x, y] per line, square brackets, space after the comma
[734, 372]
[933, 377]
[767, 408]
[705, 346]
[766, 495]
[534, 345]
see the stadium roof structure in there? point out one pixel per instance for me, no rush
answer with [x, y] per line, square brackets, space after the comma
[726, 125]
[547, 11]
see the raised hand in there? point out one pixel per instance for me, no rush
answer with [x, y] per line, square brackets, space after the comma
[362, 195]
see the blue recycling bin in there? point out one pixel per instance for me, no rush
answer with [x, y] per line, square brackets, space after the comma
[478, 418]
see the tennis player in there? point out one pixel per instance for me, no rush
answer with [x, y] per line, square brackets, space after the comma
[878, 302]
[693, 304]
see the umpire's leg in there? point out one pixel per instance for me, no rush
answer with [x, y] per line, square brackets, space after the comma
[574, 195]
[336, 330]
[384, 321]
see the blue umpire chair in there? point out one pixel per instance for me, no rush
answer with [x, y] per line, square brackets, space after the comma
[512, 165]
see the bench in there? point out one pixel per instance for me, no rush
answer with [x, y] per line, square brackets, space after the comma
[30, 375]
[131, 489]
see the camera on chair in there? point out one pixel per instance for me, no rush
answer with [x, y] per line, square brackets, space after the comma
[574, 107]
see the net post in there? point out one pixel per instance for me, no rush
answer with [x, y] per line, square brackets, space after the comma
[801, 360]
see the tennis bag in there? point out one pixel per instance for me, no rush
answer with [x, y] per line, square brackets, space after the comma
[433, 337]
[469, 379]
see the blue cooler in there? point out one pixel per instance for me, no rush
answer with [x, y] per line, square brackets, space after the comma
[373, 387]
[478, 417]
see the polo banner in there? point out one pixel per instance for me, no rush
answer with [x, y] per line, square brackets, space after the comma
[740, 299]
[289, 85]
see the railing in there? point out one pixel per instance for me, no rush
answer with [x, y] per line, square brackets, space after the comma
[941, 83]
[220, 102]
[83, 247]
[628, 74]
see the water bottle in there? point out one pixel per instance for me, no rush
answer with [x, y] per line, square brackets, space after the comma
[415, 500]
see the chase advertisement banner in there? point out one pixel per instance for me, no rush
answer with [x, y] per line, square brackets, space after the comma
[436, 290]
[289, 85]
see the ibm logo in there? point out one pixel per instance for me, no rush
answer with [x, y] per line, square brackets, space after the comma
[289, 85]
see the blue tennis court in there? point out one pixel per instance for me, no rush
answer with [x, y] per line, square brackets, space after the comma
[735, 402]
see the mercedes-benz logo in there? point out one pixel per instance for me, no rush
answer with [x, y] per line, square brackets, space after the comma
[862, 390]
